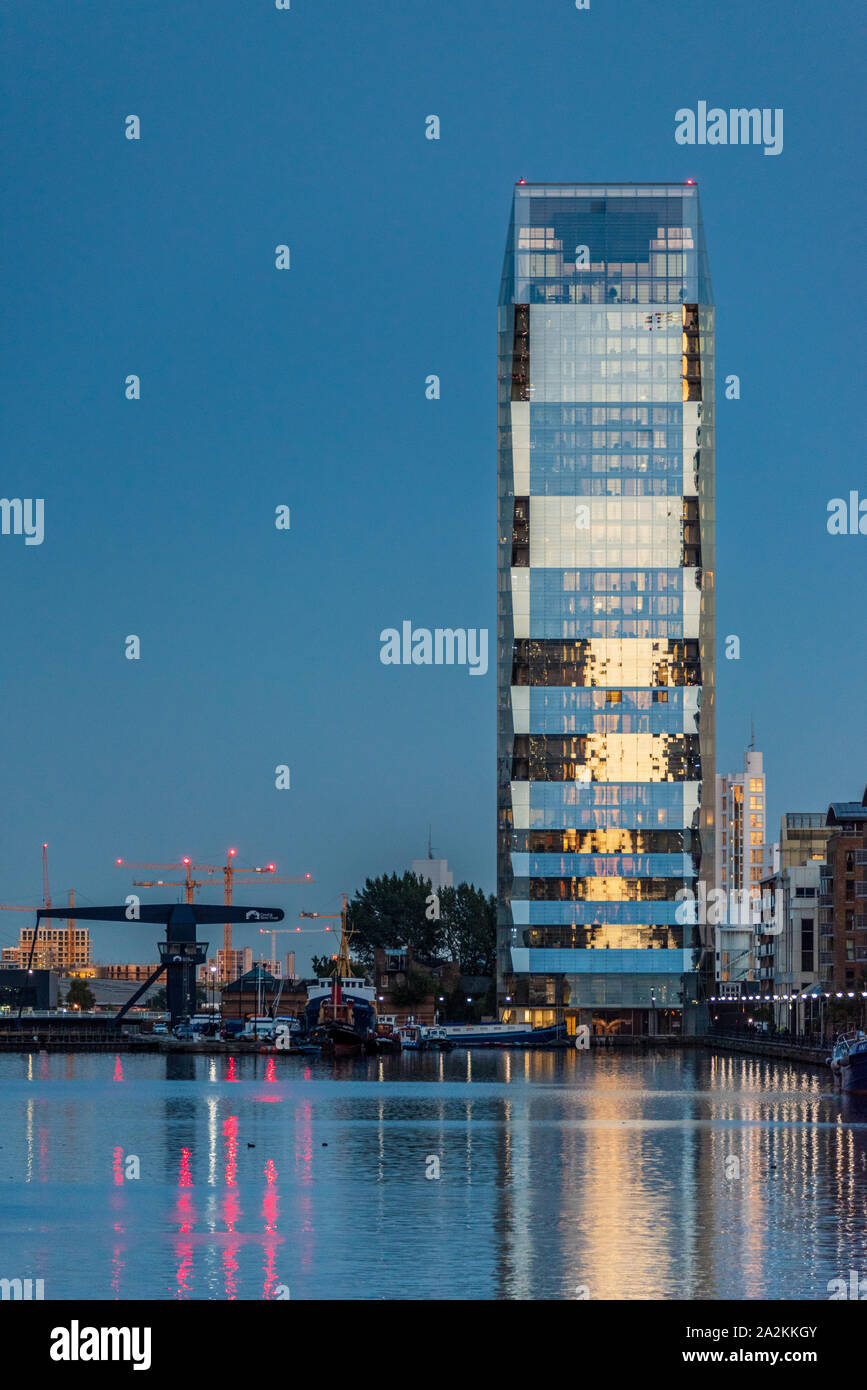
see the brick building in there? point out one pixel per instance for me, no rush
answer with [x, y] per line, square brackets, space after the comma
[843, 899]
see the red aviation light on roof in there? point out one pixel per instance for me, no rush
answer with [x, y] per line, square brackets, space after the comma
[690, 180]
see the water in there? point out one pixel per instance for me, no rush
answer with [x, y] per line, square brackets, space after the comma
[669, 1176]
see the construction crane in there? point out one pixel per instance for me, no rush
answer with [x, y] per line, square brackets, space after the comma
[46, 902]
[189, 884]
[70, 923]
[343, 966]
[288, 931]
[229, 870]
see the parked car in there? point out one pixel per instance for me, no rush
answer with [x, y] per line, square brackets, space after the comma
[160, 1028]
[184, 1030]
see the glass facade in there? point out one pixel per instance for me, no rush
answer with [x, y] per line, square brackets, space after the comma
[605, 603]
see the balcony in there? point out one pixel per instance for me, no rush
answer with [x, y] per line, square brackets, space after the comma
[826, 899]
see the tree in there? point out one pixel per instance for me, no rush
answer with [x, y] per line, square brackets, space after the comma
[469, 928]
[415, 989]
[391, 912]
[80, 993]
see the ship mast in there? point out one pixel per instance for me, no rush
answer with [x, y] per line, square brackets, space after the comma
[344, 963]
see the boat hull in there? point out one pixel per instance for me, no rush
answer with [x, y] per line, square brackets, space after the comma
[527, 1037]
[851, 1071]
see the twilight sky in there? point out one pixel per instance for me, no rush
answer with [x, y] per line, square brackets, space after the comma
[305, 388]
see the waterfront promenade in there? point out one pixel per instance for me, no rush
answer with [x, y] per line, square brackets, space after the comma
[808, 1049]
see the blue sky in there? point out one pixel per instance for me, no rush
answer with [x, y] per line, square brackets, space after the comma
[306, 387]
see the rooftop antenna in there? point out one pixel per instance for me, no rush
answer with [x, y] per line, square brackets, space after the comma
[429, 845]
[752, 734]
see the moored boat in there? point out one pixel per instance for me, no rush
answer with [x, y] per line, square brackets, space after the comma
[341, 1010]
[416, 1037]
[848, 1061]
[502, 1034]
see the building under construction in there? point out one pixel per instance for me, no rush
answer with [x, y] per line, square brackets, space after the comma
[57, 948]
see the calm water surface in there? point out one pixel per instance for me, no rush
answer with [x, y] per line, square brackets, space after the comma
[686, 1176]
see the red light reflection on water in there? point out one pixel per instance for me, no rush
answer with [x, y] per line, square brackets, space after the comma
[270, 1073]
[304, 1168]
[185, 1177]
[117, 1166]
[230, 1131]
[270, 1203]
[231, 1205]
[117, 1263]
[230, 1070]
[118, 1070]
[185, 1216]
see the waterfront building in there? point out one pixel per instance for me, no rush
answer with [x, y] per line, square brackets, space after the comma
[605, 604]
[843, 899]
[804, 838]
[232, 963]
[123, 970]
[36, 989]
[57, 948]
[742, 858]
[254, 992]
[788, 950]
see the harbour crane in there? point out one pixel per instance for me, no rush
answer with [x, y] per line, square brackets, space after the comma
[180, 952]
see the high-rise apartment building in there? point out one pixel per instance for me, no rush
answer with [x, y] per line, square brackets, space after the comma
[605, 602]
[742, 859]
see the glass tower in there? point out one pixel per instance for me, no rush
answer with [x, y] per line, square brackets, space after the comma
[605, 605]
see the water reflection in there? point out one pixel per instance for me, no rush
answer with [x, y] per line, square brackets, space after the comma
[676, 1176]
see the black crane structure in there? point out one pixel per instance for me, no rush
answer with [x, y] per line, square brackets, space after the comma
[181, 951]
